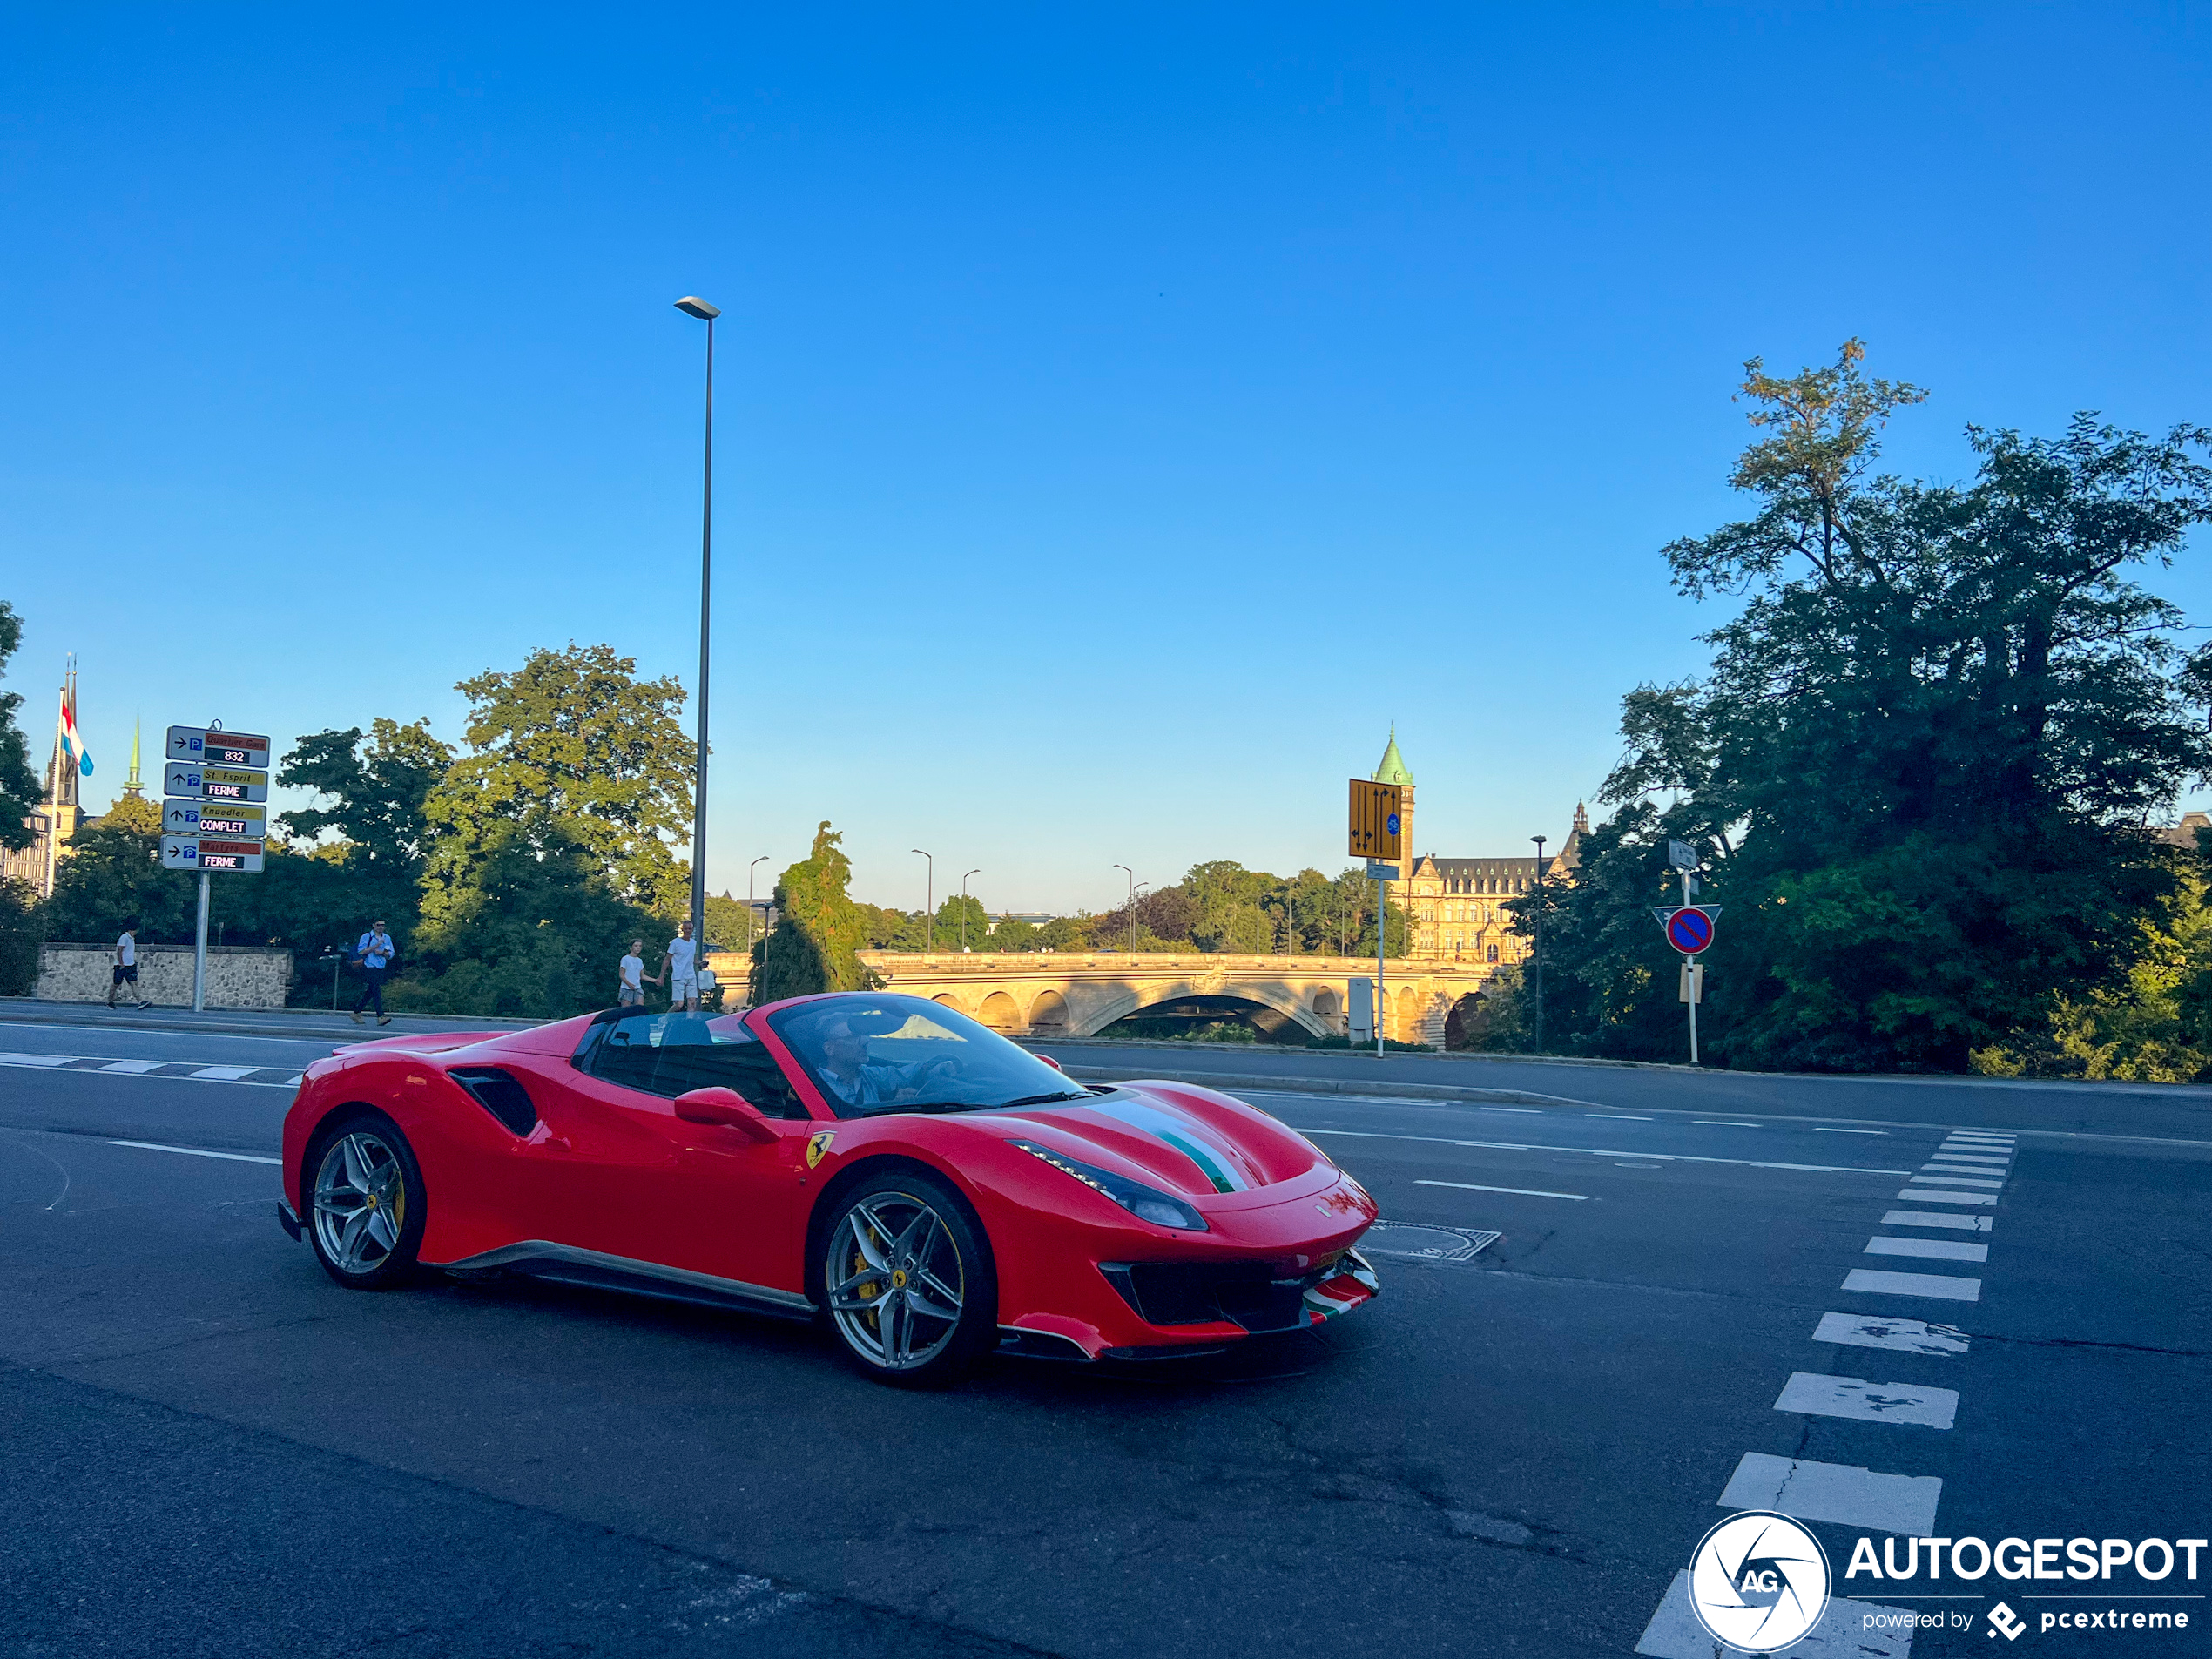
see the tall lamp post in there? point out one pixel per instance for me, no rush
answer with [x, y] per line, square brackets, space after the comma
[692, 306]
[1129, 941]
[928, 904]
[1538, 952]
[963, 908]
[749, 871]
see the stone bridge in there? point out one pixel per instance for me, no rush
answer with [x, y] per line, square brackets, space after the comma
[1078, 994]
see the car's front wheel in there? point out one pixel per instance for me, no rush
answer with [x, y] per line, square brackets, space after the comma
[908, 1280]
[365, 1202]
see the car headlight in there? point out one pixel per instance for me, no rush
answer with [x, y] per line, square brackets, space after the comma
[1146, 1203]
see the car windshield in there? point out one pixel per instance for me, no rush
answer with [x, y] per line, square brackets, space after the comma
[873, 1054]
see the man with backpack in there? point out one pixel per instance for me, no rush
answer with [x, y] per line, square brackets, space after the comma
[373, 955]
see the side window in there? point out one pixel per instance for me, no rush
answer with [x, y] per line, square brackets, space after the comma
[671, 1053]
[624, 1054]
[745, 1067]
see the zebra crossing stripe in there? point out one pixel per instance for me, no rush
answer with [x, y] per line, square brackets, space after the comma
[195, 1070]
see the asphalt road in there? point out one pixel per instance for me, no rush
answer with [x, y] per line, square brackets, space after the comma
[209, 1448]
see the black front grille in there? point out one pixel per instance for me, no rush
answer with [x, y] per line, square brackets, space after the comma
[1244, 1293]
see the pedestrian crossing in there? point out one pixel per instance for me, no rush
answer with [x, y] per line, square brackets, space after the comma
[193, 1071]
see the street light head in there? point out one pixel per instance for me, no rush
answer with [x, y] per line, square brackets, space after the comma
[692, 306]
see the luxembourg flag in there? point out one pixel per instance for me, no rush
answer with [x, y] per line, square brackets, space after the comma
[71, 741]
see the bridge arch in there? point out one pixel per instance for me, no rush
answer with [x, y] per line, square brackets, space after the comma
[1135, 999]
[1000, 1013]
[1048, 1015]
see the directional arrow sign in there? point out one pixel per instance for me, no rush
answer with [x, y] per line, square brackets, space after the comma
[181, 818]
[181, 778]
[180, 853]
[185, 741]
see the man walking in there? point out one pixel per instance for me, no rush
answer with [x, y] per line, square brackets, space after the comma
[126, 965]
[679, 967]
[373, 955]
[629, 981]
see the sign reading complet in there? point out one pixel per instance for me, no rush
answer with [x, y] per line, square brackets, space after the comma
[205, 817]
[1377, 830]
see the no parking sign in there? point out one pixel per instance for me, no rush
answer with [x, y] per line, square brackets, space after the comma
[1690, 928]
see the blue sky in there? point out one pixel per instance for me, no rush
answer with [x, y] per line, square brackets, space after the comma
[1123, 417]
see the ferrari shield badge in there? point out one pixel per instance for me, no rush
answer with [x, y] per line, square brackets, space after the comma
[818, 1146]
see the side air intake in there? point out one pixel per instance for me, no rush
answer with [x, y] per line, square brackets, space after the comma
[499, 1093]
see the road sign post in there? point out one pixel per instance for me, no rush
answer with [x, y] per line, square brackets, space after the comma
[1689, 929]
[212, 781]
[1378, 834]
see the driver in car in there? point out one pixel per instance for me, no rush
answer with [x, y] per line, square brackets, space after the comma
[846, 1071]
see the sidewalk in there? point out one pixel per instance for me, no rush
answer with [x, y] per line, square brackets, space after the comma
[307, 1024]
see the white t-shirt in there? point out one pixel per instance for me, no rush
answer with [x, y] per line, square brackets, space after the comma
[633, 972]
[680, 954]
[126, 951]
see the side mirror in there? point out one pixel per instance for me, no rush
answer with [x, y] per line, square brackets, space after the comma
[727, 1109]
[1049, 1061]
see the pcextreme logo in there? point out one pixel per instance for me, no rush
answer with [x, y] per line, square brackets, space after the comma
[1758, 1581]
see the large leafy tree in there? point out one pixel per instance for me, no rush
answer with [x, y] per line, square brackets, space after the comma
[18, 784]
[377, 791]
[1922, 764]
[574, 749]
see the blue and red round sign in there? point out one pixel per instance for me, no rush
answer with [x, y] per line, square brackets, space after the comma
[1689, 930]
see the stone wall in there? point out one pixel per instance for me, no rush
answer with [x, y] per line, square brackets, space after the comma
[239, 976]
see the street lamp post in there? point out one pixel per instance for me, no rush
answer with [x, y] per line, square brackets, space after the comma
[1537, 953]
[928, 903]
[963, 908]
[750, 870]
[692, 306]
[1128, 939]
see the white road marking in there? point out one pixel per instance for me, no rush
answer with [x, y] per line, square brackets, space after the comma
[1675, 1633]
[1723, 1122]
[223, 1073]
[1929, 1194]
[198, 1152]
[1964, 1138]
[1929, 1218]
[35, 1059]
[1526, 1111]
[1878, 1331]
[1938, 1284]
[149, 1067]
[1914, 1403]
[139, 1065]
[1966, 1166]
[1618, 1117]
[1941, 1250]
[1959, 1181]
[1822, 1129]
[1603, 1152]
[1525, 1192]
[1959, 1156]
[1839, 1492]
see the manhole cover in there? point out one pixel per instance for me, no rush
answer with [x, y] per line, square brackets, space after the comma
[1427, 1244]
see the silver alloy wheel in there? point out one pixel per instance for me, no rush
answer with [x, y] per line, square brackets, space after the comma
[894, 1281]
[359, 1201]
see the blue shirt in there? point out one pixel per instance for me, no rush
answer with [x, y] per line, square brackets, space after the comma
[375, 950]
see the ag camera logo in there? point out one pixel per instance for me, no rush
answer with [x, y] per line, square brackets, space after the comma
[1758, 1581]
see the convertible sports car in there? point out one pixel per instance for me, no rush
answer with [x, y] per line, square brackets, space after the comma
[933, 1190]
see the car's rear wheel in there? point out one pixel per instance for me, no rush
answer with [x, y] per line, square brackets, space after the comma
[908, 1280]
[365, 1202]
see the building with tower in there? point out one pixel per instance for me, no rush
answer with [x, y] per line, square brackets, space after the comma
[1457, 905]
[55, 822]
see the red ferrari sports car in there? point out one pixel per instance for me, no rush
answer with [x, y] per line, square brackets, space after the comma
[932, 1191]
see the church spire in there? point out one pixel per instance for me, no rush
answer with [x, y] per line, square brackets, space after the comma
[131, 785]
[1391, 770]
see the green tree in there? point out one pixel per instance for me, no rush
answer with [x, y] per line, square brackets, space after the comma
[962, 916]
[1920, 763]
[574, 749]
[536, 932]
[1011, 932]
[18, 784]
[21, 927]
[112, 872]
[377, 792]
[819, 931]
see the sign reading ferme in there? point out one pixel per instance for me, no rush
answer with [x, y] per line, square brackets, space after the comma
[1377, 830]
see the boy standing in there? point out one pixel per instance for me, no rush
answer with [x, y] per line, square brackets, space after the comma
[679, 967]
[126, 965]
[630, 984]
